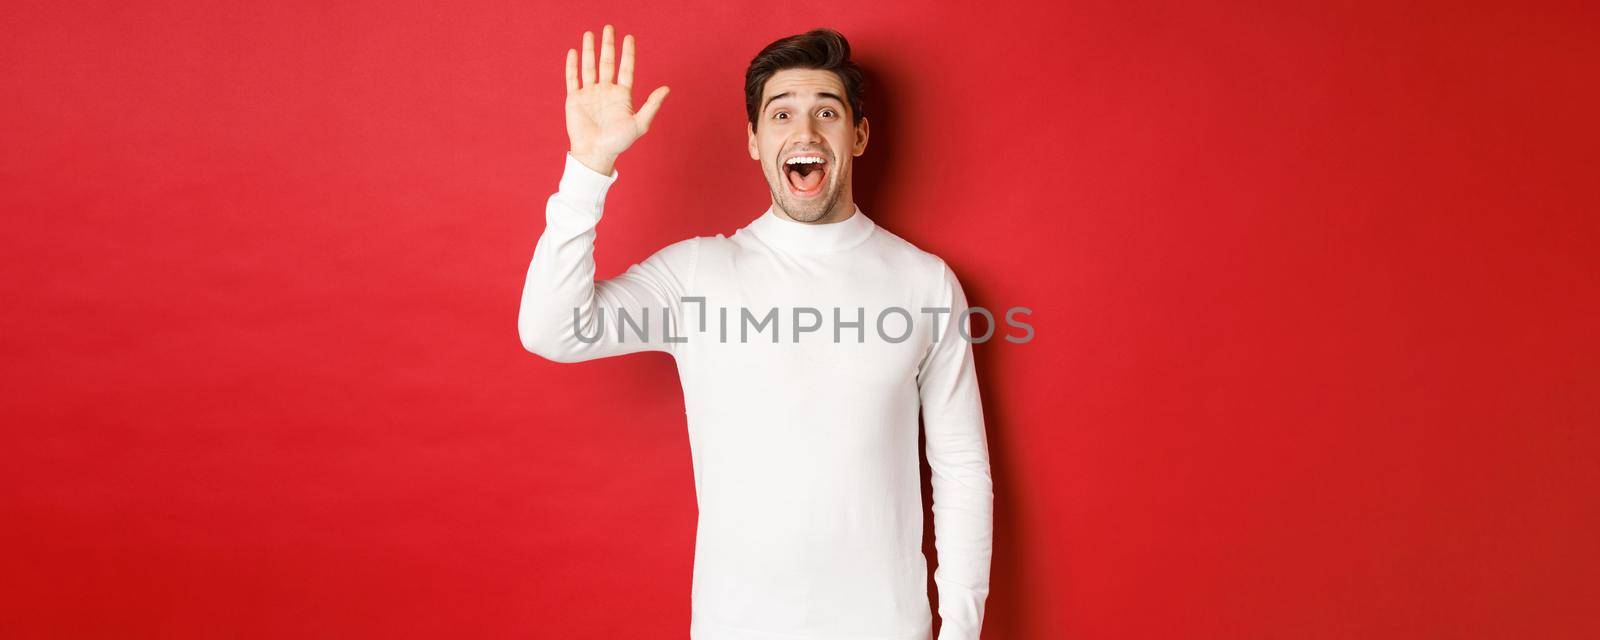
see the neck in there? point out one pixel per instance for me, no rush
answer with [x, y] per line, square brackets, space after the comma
[779, 231]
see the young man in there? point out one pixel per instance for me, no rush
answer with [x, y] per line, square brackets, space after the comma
[802, 433]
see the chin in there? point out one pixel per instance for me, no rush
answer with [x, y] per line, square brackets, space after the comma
[807, 209]
[804, 213]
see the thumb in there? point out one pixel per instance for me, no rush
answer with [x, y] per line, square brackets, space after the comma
[651, 105]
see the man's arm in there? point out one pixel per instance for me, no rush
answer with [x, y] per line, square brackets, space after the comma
[565, 315]
[958, 453]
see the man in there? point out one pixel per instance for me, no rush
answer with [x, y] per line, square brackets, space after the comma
[804, 441]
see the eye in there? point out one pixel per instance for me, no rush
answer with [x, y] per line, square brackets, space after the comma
[781, 115]
[828, 112]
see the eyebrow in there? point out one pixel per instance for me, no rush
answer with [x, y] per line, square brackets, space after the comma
[790, 94]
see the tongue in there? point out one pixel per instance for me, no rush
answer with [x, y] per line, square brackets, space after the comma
[805, 181]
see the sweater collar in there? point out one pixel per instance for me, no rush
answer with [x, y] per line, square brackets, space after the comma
[776, 230]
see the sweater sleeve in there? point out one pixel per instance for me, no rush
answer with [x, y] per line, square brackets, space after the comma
[958, 454]
[566, 316]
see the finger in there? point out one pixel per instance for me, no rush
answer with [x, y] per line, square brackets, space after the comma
[625, 68]
[572, 71]
[651, 105]
[588, 58]
[608, 57]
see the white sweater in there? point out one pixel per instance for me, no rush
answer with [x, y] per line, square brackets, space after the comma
[802, 426]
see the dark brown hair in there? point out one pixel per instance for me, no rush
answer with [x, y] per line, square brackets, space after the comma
[821, 48]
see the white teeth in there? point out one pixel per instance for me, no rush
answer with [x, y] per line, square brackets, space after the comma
[804, 160]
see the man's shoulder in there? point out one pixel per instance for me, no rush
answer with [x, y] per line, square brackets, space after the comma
[683, 250]
[707, 244]
[908, 255]
[692, 250]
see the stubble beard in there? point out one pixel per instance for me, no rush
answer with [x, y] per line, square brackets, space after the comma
[807, 210]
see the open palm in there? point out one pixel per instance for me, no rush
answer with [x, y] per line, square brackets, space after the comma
[601, 120]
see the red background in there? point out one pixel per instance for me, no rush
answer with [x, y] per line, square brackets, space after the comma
[1314, 291]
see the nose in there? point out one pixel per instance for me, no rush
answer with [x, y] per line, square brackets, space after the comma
[807, 132]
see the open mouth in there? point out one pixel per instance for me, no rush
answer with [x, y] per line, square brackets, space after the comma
[805, 174]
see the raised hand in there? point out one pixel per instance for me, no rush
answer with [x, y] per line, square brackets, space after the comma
[601, 122]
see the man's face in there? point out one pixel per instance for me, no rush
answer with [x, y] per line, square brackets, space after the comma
[805, 140]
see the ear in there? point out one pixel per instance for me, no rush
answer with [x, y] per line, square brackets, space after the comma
[750, 129]
[861, 137]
